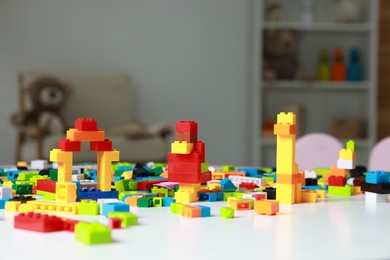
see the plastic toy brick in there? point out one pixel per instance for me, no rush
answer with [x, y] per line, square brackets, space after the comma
[190, 211]
[181, 147]
[22, 188]
[67, 145]
[226, 212]
[266, 207]
[256, 196]
[158, 170]
[101, 146]
[93, 233]
[309, 196]
[189, 177]
[241, 204]
[207, 196]
[248, 186]
[147, 185]
[227, 185]
[338, 172]
[90, 136]
[157, 202]
[311, 181]
[340, 191]
[289, 178]
[86, 124]
[115, 223]
[184, 167]
[347, 154]
[345, 164]
[227, 195]
[321, 194]
[376, 177]
[351, 145]
[114, 207]
[97, 194]
[54, 207]
[316, 187]
[358, 181]
[5, 192]
[66, 192]
[217, 175]
[356, 190]
[145, 202]
[47, 195]
[214, 186]
[34, 179]
[69, 224]
[205, 211]
[176, 207]
[38, 222]
[381, 188]
[2, 203]
[12, 175]
[88, 207]
[371, 197]
[104, 165]
[12, 206]
[53, 174]
[127, 218]
[131, 200]
[166, 201]
[284, 129]
[336, 181]
[187, 126]
[160, 190]
[127, 175]
[56, 155]
[26, 176]
[121, 185]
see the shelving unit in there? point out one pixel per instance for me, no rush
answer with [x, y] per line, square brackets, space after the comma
[322, 100]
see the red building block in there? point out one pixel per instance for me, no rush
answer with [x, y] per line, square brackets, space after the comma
[336, 181]
[248, 186]
[46, 185]
[67, 145]
[68, 224]
[193, 157]
[147, 185]
[358, 181]
[115, 223]
[38, 222]
[194, 168]
[86, 124]
[101, 146]
[189, 177]
[190, 126]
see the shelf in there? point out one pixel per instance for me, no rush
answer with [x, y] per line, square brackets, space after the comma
[316, 85]
[332, 27]
[269, 141]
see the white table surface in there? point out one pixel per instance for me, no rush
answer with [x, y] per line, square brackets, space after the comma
[339, 228]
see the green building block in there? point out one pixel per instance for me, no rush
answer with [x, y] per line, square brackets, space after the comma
[89, 207]
[157, 202]
[176, 207]
[145, 202]
[267, 170]
[204, 167]
[47, 195]
[226, 212]
[158, 170]
[34, 179]
[351, 145]
[238, 194]
[53, 174]
[128, 218]
[160, 190]
[22, 188]
[93, 233]
[228, 168]
[227, 195]
[26, 176]
[321, 171]
[132, 185]
[345, 191]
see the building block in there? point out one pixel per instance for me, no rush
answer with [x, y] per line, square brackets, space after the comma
[340, 191]
[12, 206]
[148, 185]
[86, 124]
[187, 126]
[166, 201]
[105, 172]
[66, 192]
[381, 188]
[351, 145]
[310, 196]
[22, 188]
[27, 175]
[176, 207]
[67, 145]
[39, 164]
[93, 233]
[266, 207]
[376, 177]
[127, 218]
[145, 202]
[336, 181]
[241, 204]
[205, 211]
[38, 222]
[207, 196]
[345, 164]
[226, 212]
[284, 129]
[114, 207]
[115, 223]
[157, 202]
[338, 172]
[100, 146]
[190, 211]
[132, 200]
[2, 203]
[371, 197]
[347, 154]
[227, 185]
[89, 136]
[5, 192]
[321, 193]
[69, 224]
[54, 207]
[181, 147]
[88, 207]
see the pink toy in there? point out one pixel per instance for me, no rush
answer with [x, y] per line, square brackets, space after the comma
[379, 156]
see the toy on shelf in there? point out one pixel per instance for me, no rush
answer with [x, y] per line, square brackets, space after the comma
[348, 11]
[307, 16]
[274, 13]
[338, 67]
[186, 162]
[323, 71]
[354, 71]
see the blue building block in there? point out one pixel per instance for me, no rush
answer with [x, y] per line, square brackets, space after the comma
[1, 181]
[114, 207]
[250, 172]
[273, 175]
[316, 187]
[97, 194]
[376, 177]
[118, 178]
[227, 185]
[219, 195]
[166, 201]
[93, 174]
[2, 203]
[207, 196]
[12, 175]
[205, 211]
[124, 168]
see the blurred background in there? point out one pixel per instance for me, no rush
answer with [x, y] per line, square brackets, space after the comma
[230, 65]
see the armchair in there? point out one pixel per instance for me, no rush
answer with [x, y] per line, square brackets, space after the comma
[104, 96]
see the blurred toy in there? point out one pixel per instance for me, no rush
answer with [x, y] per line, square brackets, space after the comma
[323, 71]
[354, 71]
[186, 162]
[347, 11]
[307, 16]
[347, 127]
[274, 13]
[338, 67]
[279, 61]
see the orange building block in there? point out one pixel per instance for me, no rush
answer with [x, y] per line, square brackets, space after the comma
[90, 136]
[241, 204]
[309, 196]
[267, 207]
[132, 201]
[190, 212]
[338, 172]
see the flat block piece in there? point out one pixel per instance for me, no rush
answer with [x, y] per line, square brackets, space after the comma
[100, 146]
[376, 177]
[148, 185]
[226, 212]
[127, 218]
[54, 207]
[241, 204]
[86, 124]
[207, 196]
[67, 145]
[5, 192]
[336, 181]
[27, 175]
[66, 192]
[181, 147]
[284, 129]
[89, 207]
[340, 191]
[167, 201]
[266, 207]
[88, 136]
[310, 196]
[190, 211]
[114, 207]
[376, 198]
[381, 188]
[97, 194]
[93, 233]
[38, 222]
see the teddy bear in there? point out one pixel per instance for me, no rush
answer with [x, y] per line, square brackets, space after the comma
[47, 96]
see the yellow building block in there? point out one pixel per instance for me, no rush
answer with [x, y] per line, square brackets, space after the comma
[230, 201]
[214, 186]
[22, 164]
[266, 207]
[25, 208]
[127, 175]
[66, 192]
[288, 194]
[321, 194]
[56, 155]
[347, 154]
[309, 196]
[182, 147]
[356, 190]
[54, 207]
[104, 169]
[286, 118]
[12, 206]
[284, 129]
[90, 136]
[186, 197]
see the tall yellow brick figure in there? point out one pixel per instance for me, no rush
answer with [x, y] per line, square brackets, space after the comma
[288, 179]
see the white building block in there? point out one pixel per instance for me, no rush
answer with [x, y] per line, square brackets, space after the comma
[371, 197]
[39, 164]
[345, 164]
[5, 192]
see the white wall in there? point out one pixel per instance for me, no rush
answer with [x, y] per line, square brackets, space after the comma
[188, 59]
